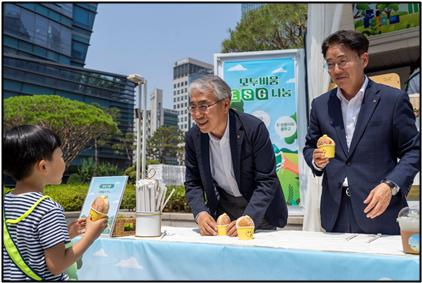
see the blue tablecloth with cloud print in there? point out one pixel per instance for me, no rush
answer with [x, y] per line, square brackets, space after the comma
[280, 255]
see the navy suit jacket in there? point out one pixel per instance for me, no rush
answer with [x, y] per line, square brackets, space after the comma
[385, 131]
[253, 165]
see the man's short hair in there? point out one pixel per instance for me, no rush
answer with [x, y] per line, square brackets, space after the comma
[211, 83]
[353, 40]
[25, 145]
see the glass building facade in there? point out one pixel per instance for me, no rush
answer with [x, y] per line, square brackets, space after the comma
[170, 117]
[49, 31]
[44, 51]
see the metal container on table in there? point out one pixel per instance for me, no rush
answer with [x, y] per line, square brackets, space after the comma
[148, 224]
[148, 214]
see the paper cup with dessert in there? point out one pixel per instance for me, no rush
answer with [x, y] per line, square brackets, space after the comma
[222, 221]
[99, 208]
[327, 145]
[245, 228]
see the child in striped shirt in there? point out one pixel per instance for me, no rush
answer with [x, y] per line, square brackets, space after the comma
[33, 158]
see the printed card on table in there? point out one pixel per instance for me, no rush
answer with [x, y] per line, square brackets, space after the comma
[110, 188]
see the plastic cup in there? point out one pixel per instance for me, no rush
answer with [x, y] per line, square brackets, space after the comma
[96, 215]
[329, 150]
[222, 230]
[245, 233]
[409, 230]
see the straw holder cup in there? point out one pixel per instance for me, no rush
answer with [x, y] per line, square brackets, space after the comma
[148, 224]
[149, 204]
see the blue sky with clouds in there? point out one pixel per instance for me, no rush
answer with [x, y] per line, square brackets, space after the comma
[148, 39]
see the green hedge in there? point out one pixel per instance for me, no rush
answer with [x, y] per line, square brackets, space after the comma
[72, 197]
[178, 202]
[129, 198]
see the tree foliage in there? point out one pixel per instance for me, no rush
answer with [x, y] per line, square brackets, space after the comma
[76, 123]
[89, 169]
[119, 141]
[360, 9]
[387, 8]
[164, 144]
[270, 27]
[125, 144]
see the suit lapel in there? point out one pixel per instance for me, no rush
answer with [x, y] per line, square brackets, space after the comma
[336, 120]
[205, 158]
[369, 103]
[236, 138]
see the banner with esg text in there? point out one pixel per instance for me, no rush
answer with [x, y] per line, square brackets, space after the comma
[267, 89]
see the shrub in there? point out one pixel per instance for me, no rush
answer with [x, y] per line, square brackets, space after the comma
[87, 168]
[108, 169]
[72, 197]
[178, 202]
[131, 173]
[129, 198]
[74, 179]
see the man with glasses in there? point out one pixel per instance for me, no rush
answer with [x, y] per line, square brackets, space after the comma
[230, 163]
[372, 125]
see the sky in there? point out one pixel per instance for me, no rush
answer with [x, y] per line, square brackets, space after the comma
[147, 39]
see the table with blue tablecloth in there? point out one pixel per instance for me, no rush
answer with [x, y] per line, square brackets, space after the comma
[182, 254]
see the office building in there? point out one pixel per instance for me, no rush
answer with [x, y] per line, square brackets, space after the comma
[157, 112]
[156, 117]
[186, 71]
[44, 52]
[49, 31]
[170, 117]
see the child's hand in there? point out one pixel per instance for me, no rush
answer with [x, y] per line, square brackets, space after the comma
[76, 227]
[94, 228]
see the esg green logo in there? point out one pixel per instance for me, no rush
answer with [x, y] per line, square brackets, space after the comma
[249, 94]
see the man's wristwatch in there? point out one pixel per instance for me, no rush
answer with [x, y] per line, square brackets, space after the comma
[394, 188]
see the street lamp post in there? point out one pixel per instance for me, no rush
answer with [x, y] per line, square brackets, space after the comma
[139, 81]
[144, 124]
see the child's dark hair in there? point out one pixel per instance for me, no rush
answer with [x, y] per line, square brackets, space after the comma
[351, 39]
[25, 145]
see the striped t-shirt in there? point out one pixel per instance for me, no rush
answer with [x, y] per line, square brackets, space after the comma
[44, 228]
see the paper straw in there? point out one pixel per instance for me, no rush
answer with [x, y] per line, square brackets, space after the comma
[157, 190]
[152, 200]
[162, 198]
[168, 199]
[148, 199]
[140, 199]
[160, 195]
[144, 197]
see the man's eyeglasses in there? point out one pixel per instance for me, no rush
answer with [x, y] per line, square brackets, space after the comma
[202, 108]
[341, 64]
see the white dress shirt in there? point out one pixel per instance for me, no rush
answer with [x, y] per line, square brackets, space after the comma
[221, 163]
[350, 111]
